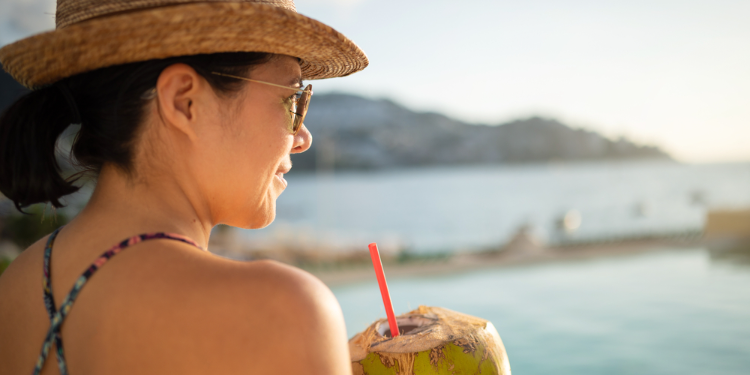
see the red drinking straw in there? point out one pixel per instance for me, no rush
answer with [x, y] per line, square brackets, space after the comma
[375, 255]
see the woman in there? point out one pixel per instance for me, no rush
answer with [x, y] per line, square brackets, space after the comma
[186, 128]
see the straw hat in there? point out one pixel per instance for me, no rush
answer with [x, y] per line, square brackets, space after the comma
[92, 34]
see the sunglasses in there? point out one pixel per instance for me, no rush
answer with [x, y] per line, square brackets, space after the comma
[300, 101]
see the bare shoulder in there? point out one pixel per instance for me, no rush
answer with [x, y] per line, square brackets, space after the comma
[276, 290]
[282, 284]
[294, 319]
[26, 267]
[171, 308]
[21, 316]
[261, 315]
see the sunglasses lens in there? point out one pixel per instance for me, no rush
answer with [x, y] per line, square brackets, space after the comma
[302, 104]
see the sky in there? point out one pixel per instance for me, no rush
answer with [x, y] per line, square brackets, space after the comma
[671, 73]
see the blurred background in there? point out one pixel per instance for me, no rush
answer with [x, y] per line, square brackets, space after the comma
[577, 172]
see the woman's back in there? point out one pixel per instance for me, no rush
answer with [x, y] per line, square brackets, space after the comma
[187, 113]
[168, 307]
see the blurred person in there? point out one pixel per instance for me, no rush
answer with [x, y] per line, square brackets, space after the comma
[188, 114]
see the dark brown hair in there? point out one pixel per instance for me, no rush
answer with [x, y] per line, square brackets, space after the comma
[109, 105]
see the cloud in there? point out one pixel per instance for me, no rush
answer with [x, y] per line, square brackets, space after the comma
[23, 18]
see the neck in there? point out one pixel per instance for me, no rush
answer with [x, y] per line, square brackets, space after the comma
[122, 206]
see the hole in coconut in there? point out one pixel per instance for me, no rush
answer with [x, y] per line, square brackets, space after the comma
[406, 325]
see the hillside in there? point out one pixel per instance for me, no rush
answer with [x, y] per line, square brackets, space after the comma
[351, 132]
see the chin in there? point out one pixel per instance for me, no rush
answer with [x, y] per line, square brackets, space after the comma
[262, 218]
[266, 223]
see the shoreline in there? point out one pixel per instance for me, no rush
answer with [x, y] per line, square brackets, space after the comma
[468, 262]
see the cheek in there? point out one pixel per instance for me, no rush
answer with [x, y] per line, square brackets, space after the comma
[248, 156]
[239, 158]
[250, 194]
[222, 161]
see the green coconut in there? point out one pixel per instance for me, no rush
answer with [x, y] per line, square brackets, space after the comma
[431, 340]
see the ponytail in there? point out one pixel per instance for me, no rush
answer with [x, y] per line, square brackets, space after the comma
[29, 128]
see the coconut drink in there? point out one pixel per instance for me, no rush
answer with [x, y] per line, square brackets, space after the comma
[430, 340]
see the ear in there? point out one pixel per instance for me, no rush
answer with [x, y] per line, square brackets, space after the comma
[178, 88]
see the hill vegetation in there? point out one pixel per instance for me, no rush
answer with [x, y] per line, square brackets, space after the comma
[357, 133]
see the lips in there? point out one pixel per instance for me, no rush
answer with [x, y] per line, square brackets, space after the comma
[281, 171]
[280, 177]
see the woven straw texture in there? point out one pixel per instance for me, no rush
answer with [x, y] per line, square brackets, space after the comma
[94, 34]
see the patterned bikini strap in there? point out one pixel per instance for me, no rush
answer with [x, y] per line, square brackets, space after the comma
[57, 316]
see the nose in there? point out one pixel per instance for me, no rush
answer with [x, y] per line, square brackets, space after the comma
[302, 140]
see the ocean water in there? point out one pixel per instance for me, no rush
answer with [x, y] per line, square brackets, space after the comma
[469, 208]
[667, 311]
[671, 311]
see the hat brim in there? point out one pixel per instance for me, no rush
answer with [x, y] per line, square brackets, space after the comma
[181, 30]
